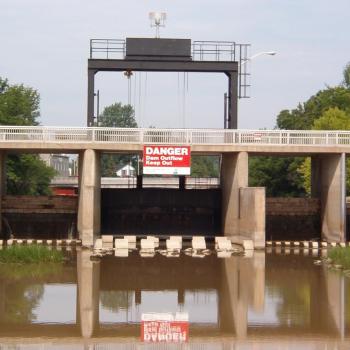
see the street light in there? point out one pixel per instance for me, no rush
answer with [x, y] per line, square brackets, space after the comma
[269, 53]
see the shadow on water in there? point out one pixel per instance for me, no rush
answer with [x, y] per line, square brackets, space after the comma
[265, 299]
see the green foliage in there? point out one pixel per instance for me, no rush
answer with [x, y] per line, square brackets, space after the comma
[346, 74]
[278, 175]
[120, 116]
[30, 254]
[340, 256]
[27, 174]
[304, 116]
[332, 119]
[19, 105]
[205, 166]
[328, 109]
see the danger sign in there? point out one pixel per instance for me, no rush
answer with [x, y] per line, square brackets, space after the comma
[167, 160]
[156, 328]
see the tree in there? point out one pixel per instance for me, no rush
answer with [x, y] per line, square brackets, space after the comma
[346, 74]
[332, 119]
[278, 175]
[26, 174]
[19, 105]
[304, 116]
[205, 166]
[328, 109]
[121, 116]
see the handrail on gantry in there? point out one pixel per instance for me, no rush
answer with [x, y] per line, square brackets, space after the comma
[64, 135]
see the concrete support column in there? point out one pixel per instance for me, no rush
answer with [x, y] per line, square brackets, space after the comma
[89, 211]
[328, 183]
[2, 183]
[88, 293]
[234, 174]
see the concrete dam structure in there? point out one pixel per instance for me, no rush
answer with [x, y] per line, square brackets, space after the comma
[243, 208]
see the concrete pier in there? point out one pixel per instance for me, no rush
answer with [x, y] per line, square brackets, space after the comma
[234, 175]
[328, 183]
[89, 211]
[243, 207]
[88, 293]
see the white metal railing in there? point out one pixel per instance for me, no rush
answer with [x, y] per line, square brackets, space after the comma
[64, 135]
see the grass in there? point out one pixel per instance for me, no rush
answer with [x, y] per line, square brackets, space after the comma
[340, 256]
[30, 254]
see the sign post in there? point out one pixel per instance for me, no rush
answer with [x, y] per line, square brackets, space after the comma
[166, 160]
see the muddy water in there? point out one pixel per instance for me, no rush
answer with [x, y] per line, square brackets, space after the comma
[264, 301]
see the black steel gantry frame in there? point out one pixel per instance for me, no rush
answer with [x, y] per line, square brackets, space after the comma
[233, 54]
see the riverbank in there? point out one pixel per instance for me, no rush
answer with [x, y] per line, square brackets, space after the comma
[30, 254]
[340, 256]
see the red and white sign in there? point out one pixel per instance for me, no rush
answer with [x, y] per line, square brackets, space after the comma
[156, 328]
[166, 160]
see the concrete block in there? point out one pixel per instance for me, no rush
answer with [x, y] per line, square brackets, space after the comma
[287, 243]
[324, 244]
[1, 242]
[39, 241]
[314, 252]
[132, 245]
[306, 244]
[121, 253]
[296, 244]
[198, 243]
[131, 239]
[147, 244]
[121, 243]
[176, 238]
[9, 242]
[333, 244]
[29, 241]
[342, 244]
[314, 245]
[225, 245]
[268, 243]
[49, 241]
[147, 253]
[107, 239]
[59, 242]
[98, 243]
[248, 254]
[19, 241]
[278, 243]
[68, 241]
[220, 238]
[154, 239]
[172, 244]
[224, 254]
[248, 244]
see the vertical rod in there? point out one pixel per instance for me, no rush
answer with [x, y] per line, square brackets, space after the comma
[225, 110]
[98, 105]
[232, 99]
[91, 97]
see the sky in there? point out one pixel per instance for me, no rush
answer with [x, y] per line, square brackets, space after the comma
[45, 45]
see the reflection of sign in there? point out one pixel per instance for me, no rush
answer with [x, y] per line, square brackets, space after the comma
[157, 328]
[167, 160]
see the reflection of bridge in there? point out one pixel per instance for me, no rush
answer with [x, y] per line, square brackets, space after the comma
[241, 284]
[243, 208]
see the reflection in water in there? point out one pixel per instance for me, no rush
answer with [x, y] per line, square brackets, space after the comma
[231, 302]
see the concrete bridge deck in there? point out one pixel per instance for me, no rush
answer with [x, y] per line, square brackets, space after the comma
[242, 207]
[75, 139]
